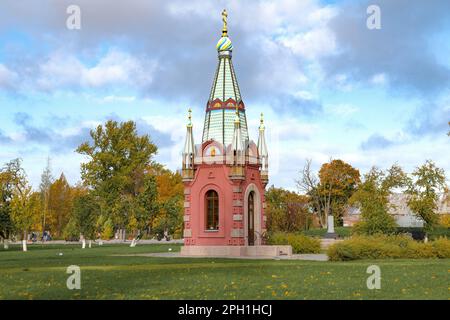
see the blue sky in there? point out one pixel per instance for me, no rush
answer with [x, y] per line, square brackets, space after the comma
[329, 86]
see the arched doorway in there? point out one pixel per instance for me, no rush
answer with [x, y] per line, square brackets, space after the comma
[252, 215]
[251, 218]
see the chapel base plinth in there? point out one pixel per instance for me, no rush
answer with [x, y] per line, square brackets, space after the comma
[236, 251]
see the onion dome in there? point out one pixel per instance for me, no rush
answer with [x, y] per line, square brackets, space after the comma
[224, 44]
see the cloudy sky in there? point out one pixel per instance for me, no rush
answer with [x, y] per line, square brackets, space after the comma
[329, 87]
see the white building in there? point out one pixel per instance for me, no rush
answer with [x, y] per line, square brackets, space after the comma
[400, 210]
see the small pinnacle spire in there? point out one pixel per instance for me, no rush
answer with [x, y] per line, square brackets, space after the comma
[225, 24]
[189, 117]
[261, 126]
[236, 118]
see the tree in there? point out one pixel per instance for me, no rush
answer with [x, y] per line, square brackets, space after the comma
[148, 206]
[46, 182]
[24, 203]
[330, 191]
[286, 210]
[427, 183]
[6, 192]
[338, 181]
[372, 197]
[308, 184]
[60, 203]
[170, 189]
[85, 214]
[118, 159]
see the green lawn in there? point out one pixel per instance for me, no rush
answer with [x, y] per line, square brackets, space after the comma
[40, 273]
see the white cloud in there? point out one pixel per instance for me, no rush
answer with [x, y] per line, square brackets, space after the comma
[114, 68]
[311, 44]
[342, 110]
[114, 98]
[7, 77]
[379, 79]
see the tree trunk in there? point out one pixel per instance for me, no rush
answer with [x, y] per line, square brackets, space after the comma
[90, 244]
[24, 245]
[83, 243]
[5, 244]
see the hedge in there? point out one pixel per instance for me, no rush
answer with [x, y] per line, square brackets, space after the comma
[300, 243]
[383, 247]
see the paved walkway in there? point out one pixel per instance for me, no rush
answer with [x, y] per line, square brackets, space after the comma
[306, 257]
[142, 241]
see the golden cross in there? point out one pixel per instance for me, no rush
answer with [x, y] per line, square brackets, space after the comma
[224, 19]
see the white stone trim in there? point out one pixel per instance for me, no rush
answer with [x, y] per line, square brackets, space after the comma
[237, 217]
[187, 233]
[237, 233]
[237, 203]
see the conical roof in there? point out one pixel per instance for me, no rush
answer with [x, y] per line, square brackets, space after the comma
[224, 97]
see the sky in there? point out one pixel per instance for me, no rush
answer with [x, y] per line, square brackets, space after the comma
[329, 87]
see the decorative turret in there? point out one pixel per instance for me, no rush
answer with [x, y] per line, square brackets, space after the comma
[188, 152]
[262, 151]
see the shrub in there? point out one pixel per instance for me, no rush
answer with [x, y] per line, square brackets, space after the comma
[299, 243]
[419, 233]
[445, 220]
[441, 247]
[439, 232]
[383, 247]
[342, 232]
[108, 230]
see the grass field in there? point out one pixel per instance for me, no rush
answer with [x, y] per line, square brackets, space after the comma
[40, 273]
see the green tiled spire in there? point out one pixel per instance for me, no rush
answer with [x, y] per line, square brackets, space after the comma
[219, 118]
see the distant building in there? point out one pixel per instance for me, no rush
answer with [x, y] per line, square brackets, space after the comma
[400, 210]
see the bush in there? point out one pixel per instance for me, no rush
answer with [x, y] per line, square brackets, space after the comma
[342, 232]
[419, 233]
[445, 220]
[439, 232]
[300, 243]
[384, 247]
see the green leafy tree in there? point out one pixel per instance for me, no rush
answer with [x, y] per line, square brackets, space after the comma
[148, 206]
[372, 198]
[25, 205]
[44, 187]
[85, 214]
[427, 183]
[118, 159]
[169, 218]
[6, 194]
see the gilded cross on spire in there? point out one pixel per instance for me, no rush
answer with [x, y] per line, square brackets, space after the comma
[261, 125]
[225, 24]
[190, 117]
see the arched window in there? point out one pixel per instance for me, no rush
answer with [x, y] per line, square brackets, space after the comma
[212, 210]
